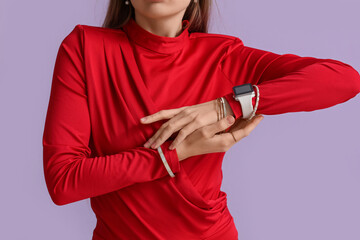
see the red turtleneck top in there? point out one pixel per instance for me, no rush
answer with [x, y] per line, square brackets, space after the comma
[105, 80]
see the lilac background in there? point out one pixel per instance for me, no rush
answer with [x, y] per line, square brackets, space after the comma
[295, 177]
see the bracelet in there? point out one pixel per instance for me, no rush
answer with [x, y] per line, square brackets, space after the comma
[256, 104]
[221, 102]
[223, 105]
[221, 109]
[165, 162]
[224, 111]
[216, 108]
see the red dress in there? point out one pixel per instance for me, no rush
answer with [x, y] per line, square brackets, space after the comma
[105, 80]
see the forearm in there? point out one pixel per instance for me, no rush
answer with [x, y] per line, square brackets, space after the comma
[288, 82]
[72, 178]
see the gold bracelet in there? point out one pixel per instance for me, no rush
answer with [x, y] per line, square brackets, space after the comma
[222, 103]
[221, 109]
[217, 109]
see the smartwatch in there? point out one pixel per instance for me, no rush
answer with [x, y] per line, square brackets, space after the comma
[244, 94]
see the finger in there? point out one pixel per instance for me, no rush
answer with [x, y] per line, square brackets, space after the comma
[249, 127]
[161, 130]
[162, 114]
[168, 128]
[222, 142]
[184, 132]
[224, 123]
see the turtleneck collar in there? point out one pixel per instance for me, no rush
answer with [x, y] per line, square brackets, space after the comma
[155, 42]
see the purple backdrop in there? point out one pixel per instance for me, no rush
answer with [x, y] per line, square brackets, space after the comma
[295, 177]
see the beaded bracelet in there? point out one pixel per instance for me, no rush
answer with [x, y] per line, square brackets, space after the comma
[256, 104]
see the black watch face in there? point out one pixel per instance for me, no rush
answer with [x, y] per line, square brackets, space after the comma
[242, 89]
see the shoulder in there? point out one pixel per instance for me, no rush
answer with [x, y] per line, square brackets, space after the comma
[99, 30]
[216, 38]
[222, 42]
[80, 32]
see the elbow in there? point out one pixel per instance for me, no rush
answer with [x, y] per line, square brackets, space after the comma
[61, 181]
[58, 200]
[57, 179]
[355, 78]
[58, 194]
[350, 78]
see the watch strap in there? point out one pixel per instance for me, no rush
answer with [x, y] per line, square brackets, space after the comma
[246, 104]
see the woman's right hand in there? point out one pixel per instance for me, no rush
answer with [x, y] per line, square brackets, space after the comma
[205, 140]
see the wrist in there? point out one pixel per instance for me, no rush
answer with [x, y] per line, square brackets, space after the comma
[236, 110]
[229, 110]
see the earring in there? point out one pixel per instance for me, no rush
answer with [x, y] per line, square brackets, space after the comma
[127, 2]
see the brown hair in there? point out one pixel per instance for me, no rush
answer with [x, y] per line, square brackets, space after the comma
[197, 14]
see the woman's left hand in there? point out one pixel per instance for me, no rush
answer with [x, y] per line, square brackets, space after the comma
[188, 119]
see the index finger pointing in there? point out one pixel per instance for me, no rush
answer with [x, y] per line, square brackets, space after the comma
[162, 114]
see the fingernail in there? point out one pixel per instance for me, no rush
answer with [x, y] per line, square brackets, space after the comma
[230, 119]
[153, 145]
[143, 119]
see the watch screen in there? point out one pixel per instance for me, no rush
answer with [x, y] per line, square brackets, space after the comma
[241, 89]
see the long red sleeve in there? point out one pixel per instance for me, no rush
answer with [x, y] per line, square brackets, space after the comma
[70, 173]
[288, 82]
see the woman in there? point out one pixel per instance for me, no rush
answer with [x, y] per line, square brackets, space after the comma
[155, 58]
